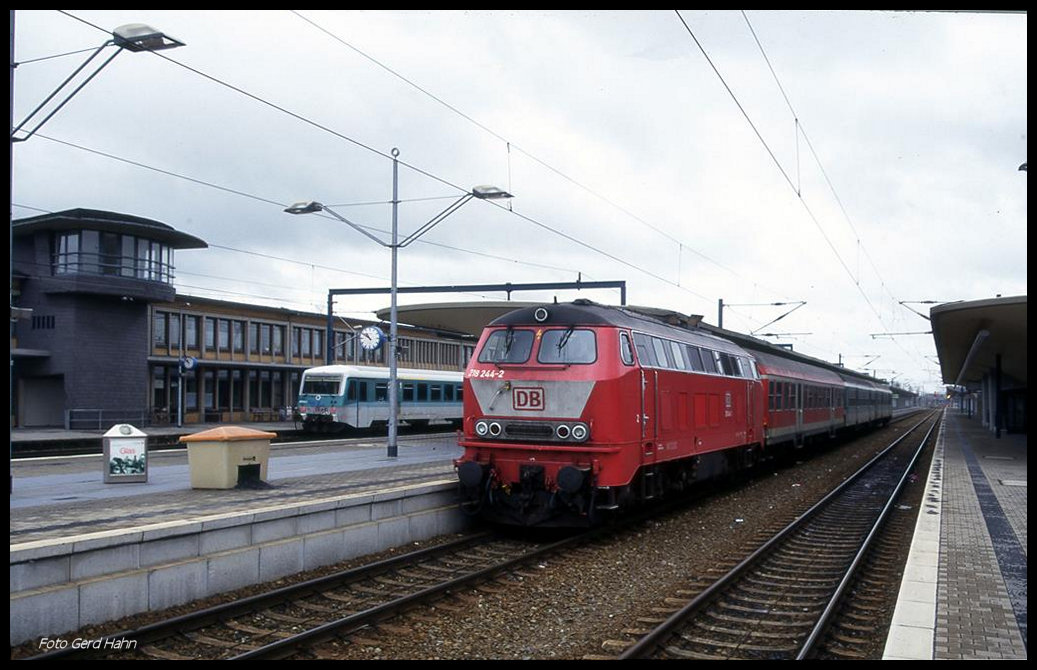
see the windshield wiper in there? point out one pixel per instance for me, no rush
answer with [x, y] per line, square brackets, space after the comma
[564, 339]
[509, 340]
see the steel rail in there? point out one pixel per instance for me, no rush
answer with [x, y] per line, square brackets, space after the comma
[353, 622]
[851, 572]
[648, 642]
[194, 620]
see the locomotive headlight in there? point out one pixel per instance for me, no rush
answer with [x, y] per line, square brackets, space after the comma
[563, 432]
[495, 429]
[580, 432]
[481, 428]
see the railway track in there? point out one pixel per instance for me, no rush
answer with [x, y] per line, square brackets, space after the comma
[288, 621]
[777, 603]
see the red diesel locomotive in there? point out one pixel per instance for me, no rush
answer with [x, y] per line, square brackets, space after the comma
[571, 410]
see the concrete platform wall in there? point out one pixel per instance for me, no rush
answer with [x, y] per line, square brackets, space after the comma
[59, 586]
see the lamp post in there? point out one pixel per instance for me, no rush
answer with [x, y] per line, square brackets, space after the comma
[309, 207]
[133, 37]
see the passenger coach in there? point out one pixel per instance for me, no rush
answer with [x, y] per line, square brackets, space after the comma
[335, 397]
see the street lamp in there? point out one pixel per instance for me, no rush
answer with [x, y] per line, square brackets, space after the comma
[310, 207]
[132, 37]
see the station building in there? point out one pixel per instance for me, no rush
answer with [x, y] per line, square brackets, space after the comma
[99, 334]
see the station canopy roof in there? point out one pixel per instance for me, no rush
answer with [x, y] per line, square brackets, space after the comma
[468, 318]
[969, 335]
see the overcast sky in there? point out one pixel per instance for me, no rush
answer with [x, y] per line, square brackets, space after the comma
[653, 147]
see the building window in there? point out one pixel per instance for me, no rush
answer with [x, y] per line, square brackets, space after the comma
[128, 258]
[238, 341]
[174, 330]
[223, 389]
[66, 258]
[210, 333]
[190, 393]
[236, 394]
[264, 338]
[224, 341]
[100, 253]
[159, 396]
[40, 322]
[159, 326]
[191, 332]
[278, 338]
[209, 381]
[110, 251]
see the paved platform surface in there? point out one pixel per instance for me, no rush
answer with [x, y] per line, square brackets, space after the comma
[66, 496]
[964, 593]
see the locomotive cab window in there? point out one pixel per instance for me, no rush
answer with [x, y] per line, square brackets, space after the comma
[507, 346]
[568, 346]
[626, 349]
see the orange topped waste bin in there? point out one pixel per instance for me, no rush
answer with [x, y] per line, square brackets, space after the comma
[228, 456]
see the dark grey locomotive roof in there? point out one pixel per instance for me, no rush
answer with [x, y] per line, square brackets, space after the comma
[588, 313]
[689, 329]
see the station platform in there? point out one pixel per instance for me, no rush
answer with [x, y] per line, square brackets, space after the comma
[84, 552]
[963, 596]
[55, 497]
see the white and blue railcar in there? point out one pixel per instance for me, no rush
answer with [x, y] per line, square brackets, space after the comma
[335, 397]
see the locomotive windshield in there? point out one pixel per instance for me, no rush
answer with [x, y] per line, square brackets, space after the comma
[568, 346]
[507, 346]
[321, 385]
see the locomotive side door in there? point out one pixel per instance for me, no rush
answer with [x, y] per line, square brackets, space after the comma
[750, 412]
[650, 483]
[798, 408]
[649, 415]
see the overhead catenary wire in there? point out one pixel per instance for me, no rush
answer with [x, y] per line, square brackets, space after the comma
[322, 127]
[510, 145]
[270, 201]
[528, 218]
[783, 172]
[800, 130]
[532, 220]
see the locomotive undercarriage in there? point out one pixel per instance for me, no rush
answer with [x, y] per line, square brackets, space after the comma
[529, 501]
[575, 500]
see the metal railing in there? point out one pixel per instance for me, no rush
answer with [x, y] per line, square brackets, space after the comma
[102, 419]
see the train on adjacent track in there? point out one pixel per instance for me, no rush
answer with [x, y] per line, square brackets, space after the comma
[575, 410]
[333, 398]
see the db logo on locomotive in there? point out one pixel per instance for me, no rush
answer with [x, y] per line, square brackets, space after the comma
[528, 399]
